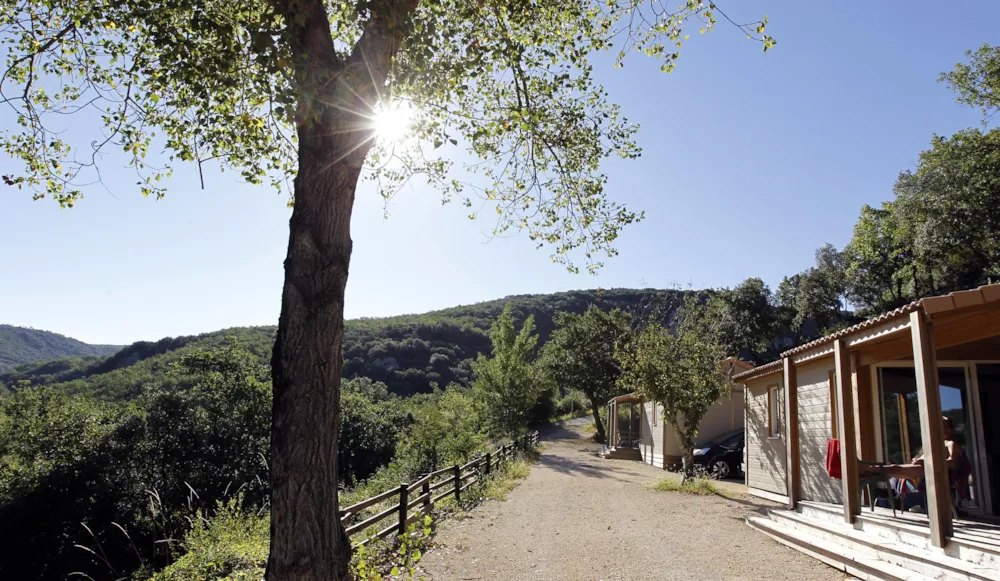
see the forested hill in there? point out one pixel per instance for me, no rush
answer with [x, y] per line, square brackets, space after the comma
[408, 352]
[23, 345]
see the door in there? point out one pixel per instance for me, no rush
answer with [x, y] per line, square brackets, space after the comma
[988, 379]
[900, 421]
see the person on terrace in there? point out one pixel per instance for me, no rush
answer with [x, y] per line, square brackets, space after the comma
[958, 464]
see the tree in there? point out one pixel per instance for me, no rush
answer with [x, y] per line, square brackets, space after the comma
[951, 202]
[681, 369]
[290, 92]
[877, 260]
[977, 83]
[748, 318]
[816, 294]
[580, 355]
[446, 428]
[507, 383]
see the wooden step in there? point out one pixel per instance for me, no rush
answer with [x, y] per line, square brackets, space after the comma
[933, 564]
[623, 454]
[911, 529]
[834, 554]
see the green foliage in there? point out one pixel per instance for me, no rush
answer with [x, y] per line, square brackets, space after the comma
[19, 345]
[67, 459]
[125, 374]
[581, 355]
[230, 545]
[680, 368]
[406, 353]
[232, 81]
[816, 295]
[940, 232]
[879, 260]
[695, 486]
[371, 421]
[445, 430]
[507, 384]
[573, 404]
[61, 459]
[977, 83]
[377, 561]
[747, 317]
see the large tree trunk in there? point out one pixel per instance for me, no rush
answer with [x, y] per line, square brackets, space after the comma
[595, 408]
[308, 542]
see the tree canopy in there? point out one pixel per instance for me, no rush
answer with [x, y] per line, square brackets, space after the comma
[227, 82]
[580, 355]
[681, 368]
[507, 382]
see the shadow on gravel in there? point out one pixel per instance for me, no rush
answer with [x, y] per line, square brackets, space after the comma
[574, 467]
[748, 505]
[558, 432]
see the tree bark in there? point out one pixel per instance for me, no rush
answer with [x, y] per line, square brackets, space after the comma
[595, 408]
[336, 98]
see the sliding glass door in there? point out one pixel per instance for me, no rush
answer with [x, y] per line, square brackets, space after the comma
[900, 423]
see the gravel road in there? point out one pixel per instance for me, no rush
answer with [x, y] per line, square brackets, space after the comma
[578, 517]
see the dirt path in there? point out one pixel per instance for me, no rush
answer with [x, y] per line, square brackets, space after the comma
[578, 517]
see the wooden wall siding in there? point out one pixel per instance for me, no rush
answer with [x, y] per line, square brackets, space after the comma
[766, 460]
[651, 444]
[726, 416]
[815, 420]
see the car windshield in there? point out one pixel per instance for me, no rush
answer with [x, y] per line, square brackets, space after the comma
[730, 440]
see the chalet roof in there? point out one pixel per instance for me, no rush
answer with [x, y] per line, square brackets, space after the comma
[627, 398]
[930, 305]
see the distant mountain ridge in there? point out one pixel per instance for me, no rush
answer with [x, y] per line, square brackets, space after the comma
[20, 345]
[409, 353]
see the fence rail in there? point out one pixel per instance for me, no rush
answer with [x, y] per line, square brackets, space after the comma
[420, 494]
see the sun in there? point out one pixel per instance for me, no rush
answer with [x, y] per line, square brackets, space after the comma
[392, 122]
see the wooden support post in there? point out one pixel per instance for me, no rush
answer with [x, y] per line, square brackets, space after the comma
[845, 427]
[612, 424]
[458, 483]
[864, 401]
[931, 429]
[404, 501]
[488, 467]
[746, 448]
[794, 475]
[425, 491]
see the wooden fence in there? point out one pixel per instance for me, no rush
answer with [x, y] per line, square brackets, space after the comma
[413, 501]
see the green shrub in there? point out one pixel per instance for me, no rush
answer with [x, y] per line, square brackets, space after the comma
[231, 545]
[698, 486]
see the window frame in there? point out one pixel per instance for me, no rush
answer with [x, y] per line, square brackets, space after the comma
[834, 416]
[773, 413]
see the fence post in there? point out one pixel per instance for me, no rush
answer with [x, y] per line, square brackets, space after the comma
[404, 500]
[458, 483]
[487, 462]
[425, 491]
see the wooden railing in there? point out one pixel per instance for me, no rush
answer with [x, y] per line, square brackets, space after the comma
[428, 490]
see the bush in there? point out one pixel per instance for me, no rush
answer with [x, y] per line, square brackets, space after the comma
[230, 546]
[697, 486]
[574, 402]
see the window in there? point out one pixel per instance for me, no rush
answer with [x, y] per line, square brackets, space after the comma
[833, 404]
[773, 412]
[733, 441]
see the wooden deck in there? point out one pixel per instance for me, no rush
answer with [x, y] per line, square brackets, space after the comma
[883, 547]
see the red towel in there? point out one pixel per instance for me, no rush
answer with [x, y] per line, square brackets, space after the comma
[833, 458]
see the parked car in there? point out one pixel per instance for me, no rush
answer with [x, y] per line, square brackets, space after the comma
[723, 456]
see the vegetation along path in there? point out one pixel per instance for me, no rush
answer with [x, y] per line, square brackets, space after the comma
[578, 517]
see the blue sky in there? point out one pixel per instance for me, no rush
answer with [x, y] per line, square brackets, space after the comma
[750, 162]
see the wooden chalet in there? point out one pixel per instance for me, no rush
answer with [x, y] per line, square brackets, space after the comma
[881, 389]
